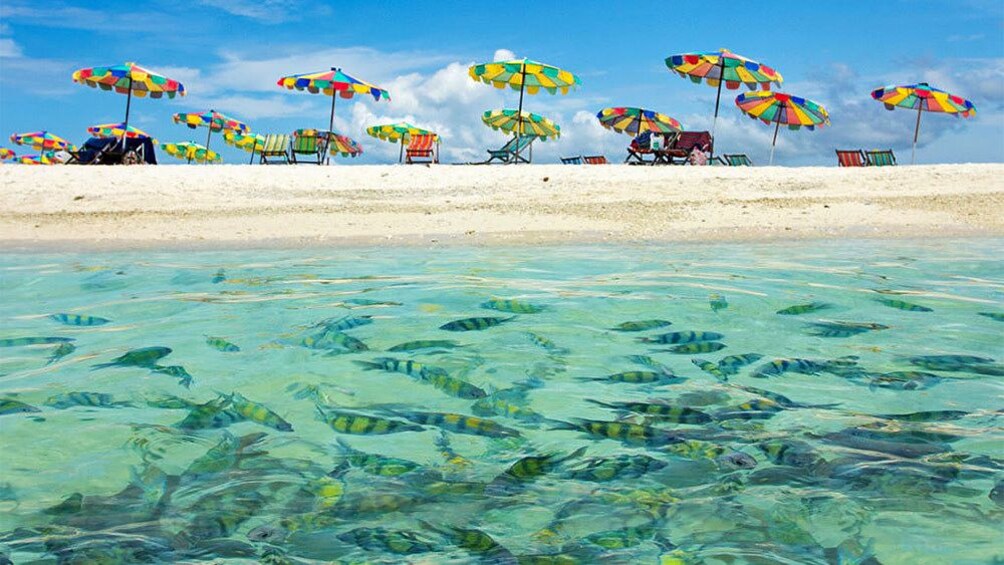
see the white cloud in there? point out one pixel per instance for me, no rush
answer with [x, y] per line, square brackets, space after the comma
[503, 55]
[265, 11]
[9, 49]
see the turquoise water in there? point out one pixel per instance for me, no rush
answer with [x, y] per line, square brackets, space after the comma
[884, 445]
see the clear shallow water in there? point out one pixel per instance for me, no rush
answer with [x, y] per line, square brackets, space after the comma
[832, 484]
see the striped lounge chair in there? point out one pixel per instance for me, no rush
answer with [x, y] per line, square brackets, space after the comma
[276, 145]
[516, 150]
[308, 143]
[595, 160]
[851, 158]
[737, 160]
[577, 160]
[881, 158]
[421, 149]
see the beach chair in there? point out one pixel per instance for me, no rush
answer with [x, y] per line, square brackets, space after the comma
[421, 149]
[881, 158]
[679, 150]
[276, 145]
[851, 158]
[595, 160]
[737, 160]
[93, 151]
[516, 150]
[640, 146]
[308, 143]
[577, 160]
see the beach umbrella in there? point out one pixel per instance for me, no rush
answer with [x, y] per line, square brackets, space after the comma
[527, 76]
[42, 141]
[42, 159]
[6, 154]
[400, 132]
[118, 130]
[716, 68]
[521, 123]
[191, 152]
[249, 142]
[635, 121]
[782, 109]
[212, 121]
[924, 98]
[129, 79]
[331, 83]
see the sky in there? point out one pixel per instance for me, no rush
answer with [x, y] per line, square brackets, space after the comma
[230, 53]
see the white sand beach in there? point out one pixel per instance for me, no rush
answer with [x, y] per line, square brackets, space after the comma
[134, 207]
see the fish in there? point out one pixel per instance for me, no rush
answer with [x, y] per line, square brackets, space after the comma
[800, 309]
[649, 362]
[498, 404]
[843, 329]
[682, 337]
[997, 493]
[717, 302]
[177, 371]
[78, 320]
[641, 325]
[710, 368]
[528, 469]
[25, 341]
[453, 386]
[996, 316]
[905, 380]
[782, 400]
[413, 369]
[91, 399]
[613, 468]
[349, 422]
[476, 542]
[371, 463]
[778, 367]
[629, 434]
[638, 377]
[949, 362]
[474, 324]
[425, 344]
[903, 305]
[909, 450]
[731, 364]
[220, 344]
[224, 455]
[452, 458]
[696, 450]
[699, 347]
[332, 340]
[926, 416]
[365, 302]
[11, 406]
[512, 306]
[546, 344]
[399, 542]
[791, 453]
[258, 413]
[60, 351]
[146, 357]
[658, 411]
[219, 277]
[344, 323]
[459, 423]
[212, 414]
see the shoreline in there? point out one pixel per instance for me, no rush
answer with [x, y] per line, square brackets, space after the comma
[240, 206]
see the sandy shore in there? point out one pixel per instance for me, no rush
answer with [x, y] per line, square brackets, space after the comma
[129, 207]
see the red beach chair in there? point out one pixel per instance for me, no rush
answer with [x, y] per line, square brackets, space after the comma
[851, 158]
[421, 147]
[595, 160]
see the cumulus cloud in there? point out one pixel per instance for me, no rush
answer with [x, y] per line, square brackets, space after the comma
[9, 49]
[503, 55]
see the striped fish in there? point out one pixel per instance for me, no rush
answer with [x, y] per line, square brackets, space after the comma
[618, 467]
[344, 323]
[697, 347]
[799, 309]
[903, 305]
[638, 377]
[512, 306]
[843, 329]
[220, 344]
[78, 320]
[928, 416]
[474, 324]
[780, 399]
[425, 344]
[142, 357]
[452, 386]
[778, 367]
[334, 341]
[259, 413]
[710, 368]
[731, 364]
[641, 325]
[176, 371]
[408, 367]
[997, 316]
[545, 344]
[400, 542]
[682, 337]
[11, 406]
[629, 434]
[372, 463]
[91, 399]
[25, 341]
[60, 351]
[658, 411]
[649, 362]
[905, 380]
[459, 423]
[348, 422]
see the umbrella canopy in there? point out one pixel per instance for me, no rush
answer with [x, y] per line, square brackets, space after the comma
[783, 109]
[191, 152]
[41, 141]
[129, 79]
[212, 120]
[249, 142]
[635, 121]
[526, 76]
[6, 154]
[117, 130]
[723, 67]
[522, 123]
[400, 132]
[924, 98]
[35, 160]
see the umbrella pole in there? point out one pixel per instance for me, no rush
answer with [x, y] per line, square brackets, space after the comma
[253, 147]
[208, 135]
[519, 113]
[718, 100]
[331, 127]
[916, 134]
[774, 143]
[125, 126]
[400, 154]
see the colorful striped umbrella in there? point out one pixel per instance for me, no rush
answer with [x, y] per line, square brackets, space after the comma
[42, 159]
[211, 120]
[117, 130]
[6, 154]
[635, 121]
[331, 82]
[723, 66]
[521, 123]
[129, 79]
[191, 152]
[780, 108]
[400, 132]
[42, 141]
[526, 76]
[924, 98]
[249, 142]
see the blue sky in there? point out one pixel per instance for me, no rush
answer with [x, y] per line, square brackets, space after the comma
[229, 54]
